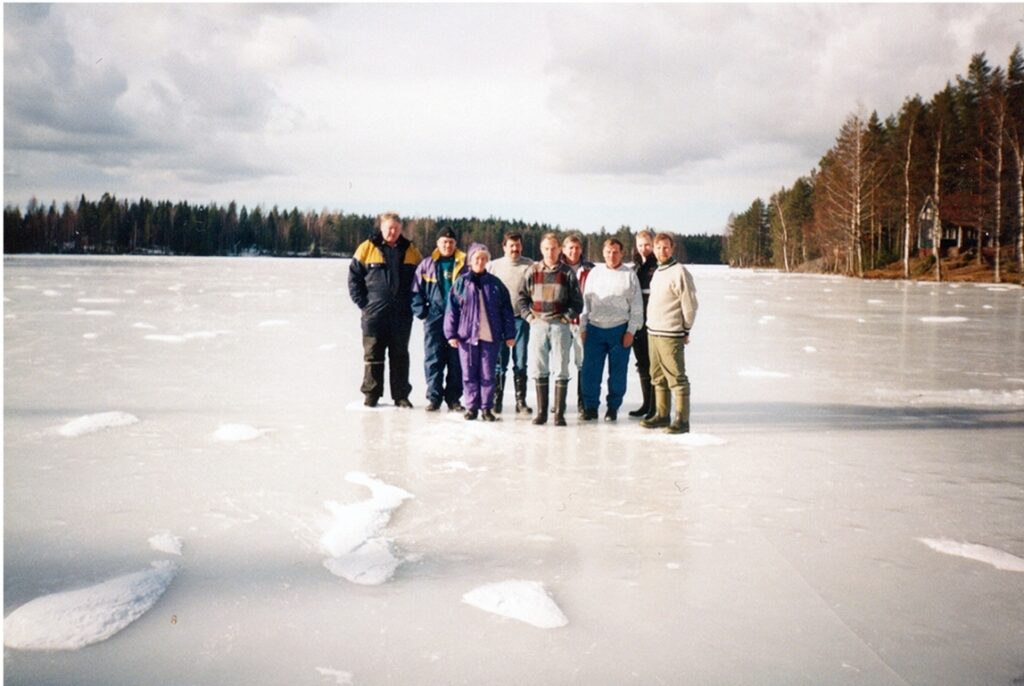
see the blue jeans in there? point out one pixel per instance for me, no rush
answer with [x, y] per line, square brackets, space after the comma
[517, 353]
[601, 344]
[550, 343]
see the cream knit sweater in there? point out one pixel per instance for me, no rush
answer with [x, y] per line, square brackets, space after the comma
[673, 304]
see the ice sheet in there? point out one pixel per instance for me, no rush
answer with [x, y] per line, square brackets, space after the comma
[779, 543]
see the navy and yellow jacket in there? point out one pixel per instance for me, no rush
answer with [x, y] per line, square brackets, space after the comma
[379, 286]
[428, 294]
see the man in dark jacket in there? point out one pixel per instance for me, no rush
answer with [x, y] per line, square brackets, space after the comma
[434, 278]
[645, 264]
[380, 284]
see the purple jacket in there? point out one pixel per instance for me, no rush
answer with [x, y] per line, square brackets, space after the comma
[462, 316]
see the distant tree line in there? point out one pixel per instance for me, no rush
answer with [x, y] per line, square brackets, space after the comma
[112, 226]
[939, 177]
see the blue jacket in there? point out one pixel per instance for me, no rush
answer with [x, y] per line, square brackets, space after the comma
[462, 318]
[428, 296]
[382, 289]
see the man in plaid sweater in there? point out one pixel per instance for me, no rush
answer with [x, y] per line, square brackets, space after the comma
[549, 299]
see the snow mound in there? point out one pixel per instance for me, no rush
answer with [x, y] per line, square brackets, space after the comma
[74, 619]
[371, 564]
[165, 543]
[758, 373]
[943, 320]
[526, 601]
[972, 551]
[96, 422]
[234, 433]
[352, 539]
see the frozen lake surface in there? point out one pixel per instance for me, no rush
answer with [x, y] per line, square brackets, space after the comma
[188, 469]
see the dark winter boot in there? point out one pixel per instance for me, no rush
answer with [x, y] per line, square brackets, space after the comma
[661, 408]
[499, 392]
[561, 390]
[520, 383]
[645, 388]
[488, 416]
[580, 407]
[681, 419]
[542, 402]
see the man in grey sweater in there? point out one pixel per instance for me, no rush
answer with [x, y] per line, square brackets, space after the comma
[511, 271]
[613, 311]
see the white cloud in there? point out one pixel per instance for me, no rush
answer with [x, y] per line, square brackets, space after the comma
[580, 115]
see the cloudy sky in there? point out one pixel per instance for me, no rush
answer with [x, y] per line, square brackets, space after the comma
[580, 115]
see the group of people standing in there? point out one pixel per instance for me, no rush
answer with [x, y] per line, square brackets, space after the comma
[479, 315]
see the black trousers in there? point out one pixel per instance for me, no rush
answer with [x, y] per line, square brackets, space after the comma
[389, 337]
[642, 354]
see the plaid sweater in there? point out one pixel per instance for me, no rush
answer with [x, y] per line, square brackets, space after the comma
[550, 294]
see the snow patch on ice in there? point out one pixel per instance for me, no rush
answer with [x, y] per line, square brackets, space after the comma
[328, 346]
[50, 293]
[166, 543]
[453, 466]
[758, 373]
[143, 325]
[974, 397]
[810, 349]
[353, 538]
[90, 336]
[525, 601]
[74, 619]
[181, 338]
[99, 301]
[981, 553]
[766, 318]
[272, 322]
[875, 301]
[341, 678]
[93, 313]
[237, 432]
[96, 422]
[943, 320]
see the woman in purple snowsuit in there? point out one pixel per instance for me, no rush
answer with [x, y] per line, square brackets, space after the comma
[477, 319]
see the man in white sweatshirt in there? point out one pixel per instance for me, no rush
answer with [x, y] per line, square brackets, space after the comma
[671, 311]
[613, 311]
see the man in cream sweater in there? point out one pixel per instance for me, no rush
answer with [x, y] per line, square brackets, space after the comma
[613, 311]
[670, 314]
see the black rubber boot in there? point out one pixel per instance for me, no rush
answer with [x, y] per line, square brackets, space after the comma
[661, 405]
[645, 388]
[561, 390]
[542, 402]
[580, 407]
[499, 392]
[519, 380]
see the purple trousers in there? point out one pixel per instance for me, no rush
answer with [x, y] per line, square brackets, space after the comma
[478, 365]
